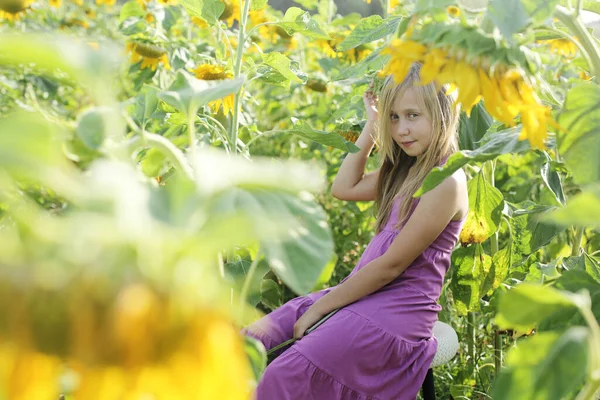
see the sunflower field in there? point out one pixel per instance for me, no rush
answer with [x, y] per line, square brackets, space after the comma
[164, 176]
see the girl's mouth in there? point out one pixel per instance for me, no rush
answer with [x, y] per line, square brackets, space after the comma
[407, 144]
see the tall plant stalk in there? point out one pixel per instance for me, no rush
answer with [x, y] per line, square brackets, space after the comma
[237, 70]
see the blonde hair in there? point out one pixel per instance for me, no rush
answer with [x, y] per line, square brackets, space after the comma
[394, 178]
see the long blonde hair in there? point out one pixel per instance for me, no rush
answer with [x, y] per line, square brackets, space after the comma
[400, 174]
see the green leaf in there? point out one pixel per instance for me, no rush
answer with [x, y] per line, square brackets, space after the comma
[509, 16]
[472, 129]
[527, 305]
[429, 6]
[302, 250]
[368, 30]
[258, 5]
[208, 10]
[28, 142]
[188, 94]
[146, 104]
[470, 266]
[539, 11]
[326, 274]
[545, 366]
[374, 61]
[493, 144]
[93, 126]
[257, 355]
[584, 262]
[485, 211]
[583, 210]
[530, 227]
[580, 117]
[281, 64]
[303, 129]
[270, 294]
[297, 20]
[552, 179]
[131, 9]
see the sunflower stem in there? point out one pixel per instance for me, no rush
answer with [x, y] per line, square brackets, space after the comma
[247, 282]
[192, 135]
[236, 73]
[574, 24]
[576, 245]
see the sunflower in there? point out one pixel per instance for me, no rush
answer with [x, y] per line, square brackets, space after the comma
[106, 2]
[149, 54]
[507, 91]
[78, 2]
[199, 22]
[141, 345]
[329, 48]
[231, 12]
[13, 9]
[563, 47]
[209, 72]
[453, 11]
[55, 3]
[167, 2]
[393, 5]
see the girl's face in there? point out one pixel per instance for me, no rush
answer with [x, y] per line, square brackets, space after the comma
[411, 126]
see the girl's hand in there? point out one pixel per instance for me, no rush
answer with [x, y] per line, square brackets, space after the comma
[371, 101]
[308, 319]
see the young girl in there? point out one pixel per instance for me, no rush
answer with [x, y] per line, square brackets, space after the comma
[379, 345]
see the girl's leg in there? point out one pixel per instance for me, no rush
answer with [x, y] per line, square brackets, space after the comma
[278, 326]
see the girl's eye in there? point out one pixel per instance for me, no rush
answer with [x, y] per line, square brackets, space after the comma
[412, 115]
[393, 116]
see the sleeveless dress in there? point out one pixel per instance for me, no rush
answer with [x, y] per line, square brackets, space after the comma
[378, 348]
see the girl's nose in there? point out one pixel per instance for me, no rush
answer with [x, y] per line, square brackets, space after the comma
[403, 129]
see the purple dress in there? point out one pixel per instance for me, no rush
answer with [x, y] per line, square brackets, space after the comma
[379, 347]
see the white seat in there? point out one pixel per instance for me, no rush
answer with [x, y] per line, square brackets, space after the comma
[447, 343]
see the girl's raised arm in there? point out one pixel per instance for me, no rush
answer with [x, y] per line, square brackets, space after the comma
[351, 183]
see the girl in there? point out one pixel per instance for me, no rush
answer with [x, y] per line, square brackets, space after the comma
[379, 345]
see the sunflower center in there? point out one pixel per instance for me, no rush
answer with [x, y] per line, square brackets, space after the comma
[227, 12]
[148, 50]
[13, 6]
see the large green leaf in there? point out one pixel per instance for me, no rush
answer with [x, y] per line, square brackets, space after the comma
[281, 64]
[485, 211]
[580, 146]
[301, 251]
[471, 267]
[493, 144]
[374, 61]
[527, 305]
[208, 10]
[582, 209]
[188, 94]
[368, 30]
[547, 366]
[509, 16]
[97, 124]
[472, 129]
[584, 262]
[530, 228]
[146, 105]
[298, 20]
[131, 9]
[303, 129]
[28, 143]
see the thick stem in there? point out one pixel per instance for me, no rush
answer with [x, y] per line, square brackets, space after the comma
[471, 336]
[576, 245]
[574, 24]
[589, 391]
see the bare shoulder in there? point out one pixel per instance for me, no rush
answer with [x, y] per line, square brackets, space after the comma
[451, 193]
